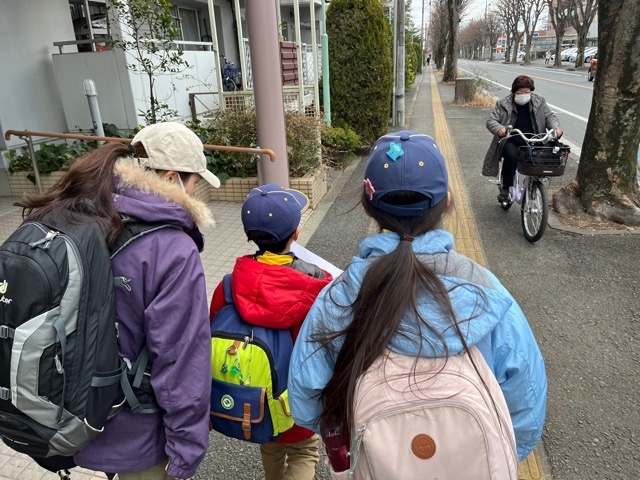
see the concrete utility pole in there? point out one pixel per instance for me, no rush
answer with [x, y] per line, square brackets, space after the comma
[262, 25]
[398, 118]
[422, 36]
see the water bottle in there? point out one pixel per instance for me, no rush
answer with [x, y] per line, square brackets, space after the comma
[337, 446]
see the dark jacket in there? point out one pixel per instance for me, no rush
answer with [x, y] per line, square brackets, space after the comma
[166, 308]
[504, 114]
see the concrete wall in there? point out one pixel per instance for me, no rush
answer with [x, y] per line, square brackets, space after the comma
[122, 93]
[28, 97]
[28, 29]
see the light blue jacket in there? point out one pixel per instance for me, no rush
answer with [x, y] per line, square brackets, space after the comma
[499, 329]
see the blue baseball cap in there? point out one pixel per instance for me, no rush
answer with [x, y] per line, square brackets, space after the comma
[273, 209]
[405, 161]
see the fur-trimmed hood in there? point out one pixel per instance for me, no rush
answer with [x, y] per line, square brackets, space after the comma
[143, 194]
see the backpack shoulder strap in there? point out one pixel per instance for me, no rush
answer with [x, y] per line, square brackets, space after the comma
[134, 228]
[226, 288]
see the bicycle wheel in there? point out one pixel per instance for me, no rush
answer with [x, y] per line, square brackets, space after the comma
[228, 85]
[534, 211]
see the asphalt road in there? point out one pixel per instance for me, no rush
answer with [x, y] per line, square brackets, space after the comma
[581, 294]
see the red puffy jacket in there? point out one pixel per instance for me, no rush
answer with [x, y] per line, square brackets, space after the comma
[272, 296]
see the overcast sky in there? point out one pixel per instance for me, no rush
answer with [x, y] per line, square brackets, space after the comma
[475, 9]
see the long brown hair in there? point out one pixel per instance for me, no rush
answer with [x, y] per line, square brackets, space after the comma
[390, 288]
[86, 188]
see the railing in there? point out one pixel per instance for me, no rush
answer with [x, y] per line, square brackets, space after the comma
[28, 134]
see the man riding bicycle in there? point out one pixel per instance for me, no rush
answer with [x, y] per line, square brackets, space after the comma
[525, 111]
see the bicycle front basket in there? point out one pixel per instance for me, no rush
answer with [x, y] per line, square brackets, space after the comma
[543, 161]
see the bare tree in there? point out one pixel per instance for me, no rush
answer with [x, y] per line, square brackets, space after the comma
[509, 14]
[493, 29]
[455, 9]
[439, 31]
[559, 11]
[581, 16]
[606, 184]
[530, 11]
[471, 39]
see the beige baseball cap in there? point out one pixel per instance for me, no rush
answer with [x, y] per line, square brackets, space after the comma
[172, 146]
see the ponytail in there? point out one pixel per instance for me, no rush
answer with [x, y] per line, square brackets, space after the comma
[86, 188]
[390, 288]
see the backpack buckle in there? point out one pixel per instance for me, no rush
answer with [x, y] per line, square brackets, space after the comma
[5, 393]
[6, 332]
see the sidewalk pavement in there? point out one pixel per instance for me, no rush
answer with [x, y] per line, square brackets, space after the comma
[226, 241]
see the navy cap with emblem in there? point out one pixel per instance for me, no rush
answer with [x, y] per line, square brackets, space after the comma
[405, 161]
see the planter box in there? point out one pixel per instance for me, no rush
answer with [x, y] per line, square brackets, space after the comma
[19, 183]
[313, 185]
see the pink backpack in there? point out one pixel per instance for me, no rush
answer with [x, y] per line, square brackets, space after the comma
[440, 423]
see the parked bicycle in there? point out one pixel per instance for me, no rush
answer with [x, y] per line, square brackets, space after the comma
[231, 76]
[543, 156]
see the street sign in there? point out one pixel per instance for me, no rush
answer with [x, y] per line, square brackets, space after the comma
[535, 35]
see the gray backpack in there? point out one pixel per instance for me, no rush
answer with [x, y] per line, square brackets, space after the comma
[61, 376]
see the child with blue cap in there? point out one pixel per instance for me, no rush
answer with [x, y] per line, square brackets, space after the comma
[275, 289]
[410, 292]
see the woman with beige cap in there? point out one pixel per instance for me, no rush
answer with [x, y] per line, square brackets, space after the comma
[164, 307]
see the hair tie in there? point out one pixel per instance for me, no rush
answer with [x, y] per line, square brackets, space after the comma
[132, 149]
[406, 238]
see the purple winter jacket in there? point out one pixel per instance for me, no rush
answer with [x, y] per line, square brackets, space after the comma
[167, 309]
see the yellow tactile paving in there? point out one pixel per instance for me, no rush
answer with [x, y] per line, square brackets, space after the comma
[462, 224]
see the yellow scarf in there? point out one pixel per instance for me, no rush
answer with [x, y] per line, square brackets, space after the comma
[275, 258]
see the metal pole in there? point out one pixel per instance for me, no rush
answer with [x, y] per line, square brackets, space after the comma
[216, 58]
[400, 46]
[92, 97]
[296, 16]
[395, 62]
[241, 52]
[422, 36]
[326, 89]
[269, 100]
[314, 49]
[87, 15]
[34, 163]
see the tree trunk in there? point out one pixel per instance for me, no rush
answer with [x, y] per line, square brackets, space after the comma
[465, 90]
[451, 62]
[606, 182]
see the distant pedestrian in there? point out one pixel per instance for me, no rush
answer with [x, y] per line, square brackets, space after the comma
[547, 57]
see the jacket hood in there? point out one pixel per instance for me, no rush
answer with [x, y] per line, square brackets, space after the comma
[273, 295]
[479, 306]
[143, 194]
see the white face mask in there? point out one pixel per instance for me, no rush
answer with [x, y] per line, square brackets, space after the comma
[522, 98]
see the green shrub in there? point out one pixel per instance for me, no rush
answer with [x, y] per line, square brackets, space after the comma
[237, 127]
[339, 145]
[50, 157]
[361, 66]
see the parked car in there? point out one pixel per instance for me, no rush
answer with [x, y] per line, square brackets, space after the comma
[587, 54]
[593, 66]
[565, 54]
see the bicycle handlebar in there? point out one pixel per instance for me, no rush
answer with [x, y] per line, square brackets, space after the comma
[535, 138]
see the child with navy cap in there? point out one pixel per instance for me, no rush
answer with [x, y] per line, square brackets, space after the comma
[273, 288]
[409, 291]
